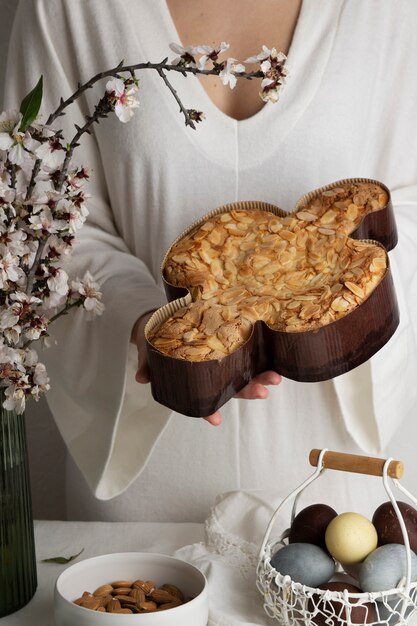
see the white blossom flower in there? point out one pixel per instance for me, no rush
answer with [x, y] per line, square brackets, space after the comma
[30, 357]
[29, 253]
[37, 327]
[18, 155]
[227, 75]
[57, 246]
[8, 355]
[125, 96]
[44, 221]
[265, 53]
[9, 269]
[9, 120]
[19, 145]
[76, 178]
[13, 334]
[24, 298]
[57, 281]
[210, 54]
[274, 71]
[269, 95]
[16, 397]
[7, 193]
[10, 316]
[185, 55]
[89, 289]
[51, 152]
[12, 242]
[40, 376]
[76, 218]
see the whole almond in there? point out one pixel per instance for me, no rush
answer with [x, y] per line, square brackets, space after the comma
[121, 583]
[104, 590]
[174, 591]
[121, 591]
[161, 596]
[113, 606]
[148, 606]
[138, 595]
[146, 585]
[91, 603]
[126, 599]
[168, 605]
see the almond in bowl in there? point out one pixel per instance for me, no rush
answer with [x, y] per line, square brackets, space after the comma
[307, 293]
[131, 589]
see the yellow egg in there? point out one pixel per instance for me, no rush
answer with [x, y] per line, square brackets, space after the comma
[350, 537]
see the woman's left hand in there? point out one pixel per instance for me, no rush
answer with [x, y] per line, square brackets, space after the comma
[256, 389]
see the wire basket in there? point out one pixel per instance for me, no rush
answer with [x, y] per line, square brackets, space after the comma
[295, 604]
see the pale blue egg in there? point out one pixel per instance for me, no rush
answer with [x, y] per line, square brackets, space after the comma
[305, 563]
[385, 567]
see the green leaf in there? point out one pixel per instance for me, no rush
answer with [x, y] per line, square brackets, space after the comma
[62, 559]
[30, 106]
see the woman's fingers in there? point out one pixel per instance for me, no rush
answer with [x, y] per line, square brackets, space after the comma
[254, 390]
[142, 373]
[215, 419]
[138, 337]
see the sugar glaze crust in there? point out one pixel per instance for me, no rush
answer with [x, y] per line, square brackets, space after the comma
[296, 272]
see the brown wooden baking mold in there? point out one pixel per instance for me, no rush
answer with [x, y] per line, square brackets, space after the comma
[200, 388]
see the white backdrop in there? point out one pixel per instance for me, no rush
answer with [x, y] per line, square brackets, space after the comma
[46, 449]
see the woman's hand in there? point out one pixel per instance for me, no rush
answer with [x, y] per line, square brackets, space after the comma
[138, 338]
[256, 389]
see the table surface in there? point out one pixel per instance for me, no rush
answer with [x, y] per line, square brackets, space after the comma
[55, 538]
[67, 538]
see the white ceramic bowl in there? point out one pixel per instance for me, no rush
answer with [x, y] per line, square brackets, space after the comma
[89, 574]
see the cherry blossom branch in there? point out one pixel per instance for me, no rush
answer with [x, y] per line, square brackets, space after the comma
[32, 182]
[102, 109]
[63, 311]
[32, 271]
[159, 67]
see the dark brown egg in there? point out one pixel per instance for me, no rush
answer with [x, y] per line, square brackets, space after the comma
[309, 525]
[388, 527]
[325, 610]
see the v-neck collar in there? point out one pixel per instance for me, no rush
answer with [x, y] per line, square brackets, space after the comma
[308, 55]
[210, 105]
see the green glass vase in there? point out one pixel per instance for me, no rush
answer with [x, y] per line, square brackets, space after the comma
[18, 579]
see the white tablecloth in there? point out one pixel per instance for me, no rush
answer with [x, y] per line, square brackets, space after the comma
[68, 538]
[225, 548]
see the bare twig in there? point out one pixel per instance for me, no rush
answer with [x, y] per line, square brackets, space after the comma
[32, 271]
[184, 111]
[35, 172]
[102, 109]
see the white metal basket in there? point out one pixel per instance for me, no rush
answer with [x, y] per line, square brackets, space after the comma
[295, 604]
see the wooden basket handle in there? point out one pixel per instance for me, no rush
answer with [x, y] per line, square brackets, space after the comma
[356, 463]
